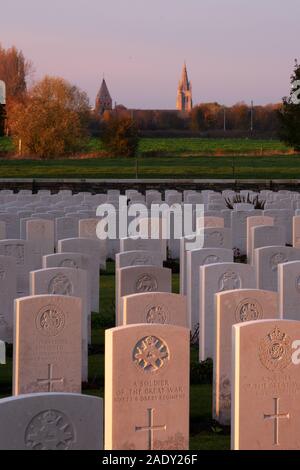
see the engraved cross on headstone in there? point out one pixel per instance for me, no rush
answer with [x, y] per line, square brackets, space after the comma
[276, 417]
[151, 428]
[50, 380]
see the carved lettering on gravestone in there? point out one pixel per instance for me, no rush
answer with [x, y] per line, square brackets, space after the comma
[248, 310]
[68, 263]
[50, 321]
[277, 259]
[17, 251]
[60, 285]
[150, 428]
[275, 350]
[50, 430]
[150, 354]
[229, 281]
[211, 259]
[146, 283]
[276, 416]
[157, 314]
[141, 261]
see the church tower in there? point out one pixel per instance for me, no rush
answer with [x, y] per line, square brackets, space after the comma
[184, 93]
[103, 100]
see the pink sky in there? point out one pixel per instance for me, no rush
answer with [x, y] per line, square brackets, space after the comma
[235, 49]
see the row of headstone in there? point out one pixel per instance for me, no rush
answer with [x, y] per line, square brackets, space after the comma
[146, 380]
[147, 364]
[71, 216]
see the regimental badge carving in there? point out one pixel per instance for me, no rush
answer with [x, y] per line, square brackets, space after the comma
[157, 314]
[217, 238]
[60, 285]
[298, 284]
[50, 321]
[229, 281]
[248, 310]
[68, 263]
[17, 251]
[211, 259]
[146, 283]
[50, 430]
[150, 354]
[276, 259]
[141, 261]
[275, 350]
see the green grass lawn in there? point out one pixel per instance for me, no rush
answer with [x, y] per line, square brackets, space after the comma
[276, 167]
[186, 158]
[205, 434]
[200, 146]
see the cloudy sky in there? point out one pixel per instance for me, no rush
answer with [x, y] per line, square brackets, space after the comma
[236, 50]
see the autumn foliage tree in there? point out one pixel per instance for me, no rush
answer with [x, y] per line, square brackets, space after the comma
[120, 136]
[14, 71]
[52, 120]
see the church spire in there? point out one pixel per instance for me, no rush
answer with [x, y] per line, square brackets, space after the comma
[103, 100]
[184, 92]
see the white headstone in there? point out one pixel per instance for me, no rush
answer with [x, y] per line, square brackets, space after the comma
[195, 259]
[141, 279]
[93, 249]
[215, 278]
[70, 282]
[51, 421]
[8, 292]
[266, 264]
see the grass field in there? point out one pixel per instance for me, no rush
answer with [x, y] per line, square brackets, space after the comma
[277, 167]
[205, 433]
[185, 146]
[167, 158]
[200, 146]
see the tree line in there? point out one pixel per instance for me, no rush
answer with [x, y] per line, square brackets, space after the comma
[53, 117]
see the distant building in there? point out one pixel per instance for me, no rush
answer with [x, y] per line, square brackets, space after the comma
[103, 100]
[184, 93]
[184, 102]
